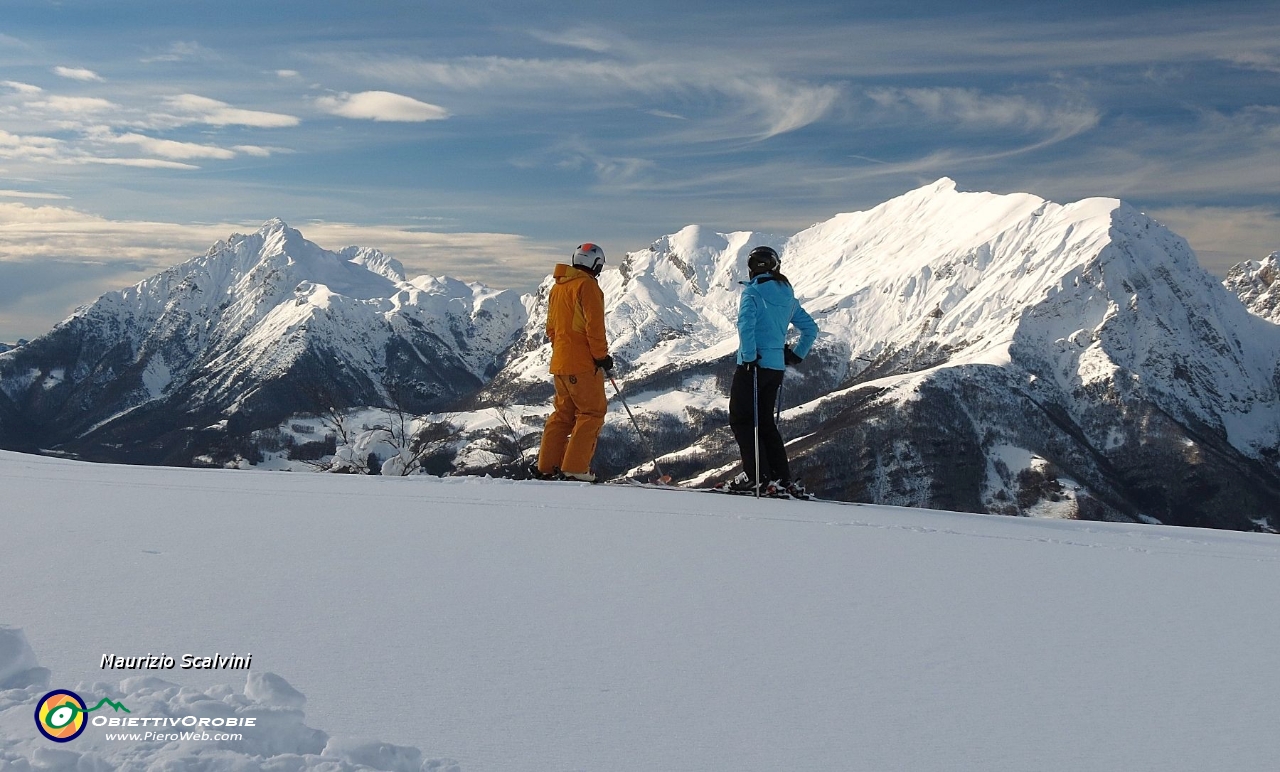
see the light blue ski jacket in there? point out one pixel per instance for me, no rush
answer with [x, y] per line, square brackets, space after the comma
[767, 309]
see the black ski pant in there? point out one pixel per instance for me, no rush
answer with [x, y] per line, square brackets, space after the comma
[773, 455]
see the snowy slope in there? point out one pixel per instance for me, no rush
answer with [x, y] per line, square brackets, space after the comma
[541, 626]
[252, 327]
[1257, 284]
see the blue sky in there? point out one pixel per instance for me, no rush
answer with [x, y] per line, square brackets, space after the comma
[485, 140]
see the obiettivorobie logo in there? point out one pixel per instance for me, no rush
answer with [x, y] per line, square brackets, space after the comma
[60, 714]
[61, 717]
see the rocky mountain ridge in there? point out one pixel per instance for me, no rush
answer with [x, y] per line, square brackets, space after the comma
[979, 352]
[1257, 284]
[261, 326]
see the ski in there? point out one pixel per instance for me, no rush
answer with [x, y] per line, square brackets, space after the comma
[653, 485]
[720, 490]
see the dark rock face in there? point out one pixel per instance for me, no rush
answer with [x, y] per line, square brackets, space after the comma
[934, 451]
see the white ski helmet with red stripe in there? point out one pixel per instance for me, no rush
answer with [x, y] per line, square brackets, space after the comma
[589, 257]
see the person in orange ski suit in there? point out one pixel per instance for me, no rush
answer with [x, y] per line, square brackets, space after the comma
[579, 360]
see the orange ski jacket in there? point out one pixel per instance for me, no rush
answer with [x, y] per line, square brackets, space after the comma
[575, 322]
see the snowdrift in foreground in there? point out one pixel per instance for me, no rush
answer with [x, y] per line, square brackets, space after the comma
[278, 740]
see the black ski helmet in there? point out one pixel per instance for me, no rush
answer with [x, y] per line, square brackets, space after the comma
[589, 257]
[763, 260]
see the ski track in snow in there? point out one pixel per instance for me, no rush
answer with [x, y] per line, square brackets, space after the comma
[560, 626]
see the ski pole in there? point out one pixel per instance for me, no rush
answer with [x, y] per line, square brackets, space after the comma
[662, 478]
[755, 420]
[777, 406]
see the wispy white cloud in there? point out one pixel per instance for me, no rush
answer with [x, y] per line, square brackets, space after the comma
[192, 108]
[1255, 60]
[28, 147]
[584, 38]
[974, 109]
[76, 73]
[49, 150]
[259, 151]
[75, 105]
[180, 51]
[167, 148]
[381, 106]
[983, 44]
[1209, 158]
[22, 88]
[470, 73]
[89, 129]
[139, 163]
[784, 107]
[577, 154]
[288, 74]
[31, 195]
[767, 105]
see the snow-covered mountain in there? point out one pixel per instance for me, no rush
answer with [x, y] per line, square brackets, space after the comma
[981, 352]
[1257, 284]
[259, 327]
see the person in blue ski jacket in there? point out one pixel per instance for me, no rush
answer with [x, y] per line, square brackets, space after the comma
[766, 312]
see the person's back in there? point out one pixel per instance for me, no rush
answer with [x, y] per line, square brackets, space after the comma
[767, 309]
[579, 357]
[575, 321]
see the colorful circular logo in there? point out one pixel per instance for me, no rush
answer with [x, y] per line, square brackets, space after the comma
[60, 715]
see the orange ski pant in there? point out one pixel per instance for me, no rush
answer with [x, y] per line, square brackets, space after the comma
[569, 438]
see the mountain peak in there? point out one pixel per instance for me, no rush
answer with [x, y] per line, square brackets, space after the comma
[249, 327]
[277, 233]
[1257, 284]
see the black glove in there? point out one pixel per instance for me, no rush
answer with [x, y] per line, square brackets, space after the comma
[790, 357]
[605, 362]
[753, 364]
